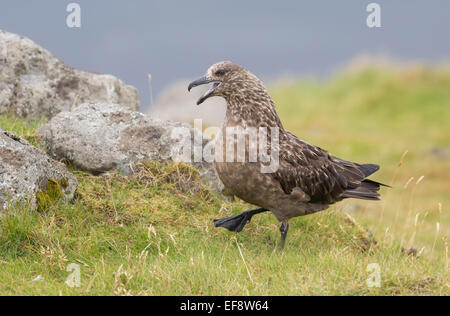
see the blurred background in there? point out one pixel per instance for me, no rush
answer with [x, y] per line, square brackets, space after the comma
[378, 95]
[176, 40]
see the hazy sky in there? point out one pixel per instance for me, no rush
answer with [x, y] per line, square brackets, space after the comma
[176, 40]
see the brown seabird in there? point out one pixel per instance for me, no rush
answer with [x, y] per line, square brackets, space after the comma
[308, 178]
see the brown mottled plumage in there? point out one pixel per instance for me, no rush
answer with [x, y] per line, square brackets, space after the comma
[308, 179]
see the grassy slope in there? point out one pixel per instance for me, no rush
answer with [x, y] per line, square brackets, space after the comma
[152, 233]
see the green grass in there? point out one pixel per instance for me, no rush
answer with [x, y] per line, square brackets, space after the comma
[22, 127]
[152, 233]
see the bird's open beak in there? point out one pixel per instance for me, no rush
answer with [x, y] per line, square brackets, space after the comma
[208, 93]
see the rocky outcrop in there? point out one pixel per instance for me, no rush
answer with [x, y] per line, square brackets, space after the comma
[98, 137]
[34, 82]
[29, 175]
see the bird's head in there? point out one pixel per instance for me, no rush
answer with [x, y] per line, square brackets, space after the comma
[228, 80]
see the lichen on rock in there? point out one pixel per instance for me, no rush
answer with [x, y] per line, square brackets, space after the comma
[28, 175]
[50, 192]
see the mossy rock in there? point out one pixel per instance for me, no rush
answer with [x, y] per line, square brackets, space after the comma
[51, 191]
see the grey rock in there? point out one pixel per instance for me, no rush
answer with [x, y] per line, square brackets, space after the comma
[34, 82]
[98, 137]
[26, 170]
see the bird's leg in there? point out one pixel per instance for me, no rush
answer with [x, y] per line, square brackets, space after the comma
[284, 230]
[237, 222]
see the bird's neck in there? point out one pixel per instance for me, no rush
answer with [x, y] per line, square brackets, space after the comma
[252, 109]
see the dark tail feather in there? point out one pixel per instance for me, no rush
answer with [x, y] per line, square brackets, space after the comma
[368, 169]
[376, 183]
[361, 195]
[368, 190]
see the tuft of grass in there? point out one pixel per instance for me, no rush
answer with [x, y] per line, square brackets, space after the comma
[17, 235]
[21, 127]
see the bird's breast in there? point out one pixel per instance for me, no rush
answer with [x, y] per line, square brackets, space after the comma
[246, 181]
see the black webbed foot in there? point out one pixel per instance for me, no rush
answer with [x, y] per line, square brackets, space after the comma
[237, 222]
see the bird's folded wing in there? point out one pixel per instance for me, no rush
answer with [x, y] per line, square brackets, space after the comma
[321, 176]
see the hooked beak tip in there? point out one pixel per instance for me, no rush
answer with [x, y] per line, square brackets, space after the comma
[198, 82]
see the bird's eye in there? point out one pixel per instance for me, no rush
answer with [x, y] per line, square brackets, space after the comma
[220, 72]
